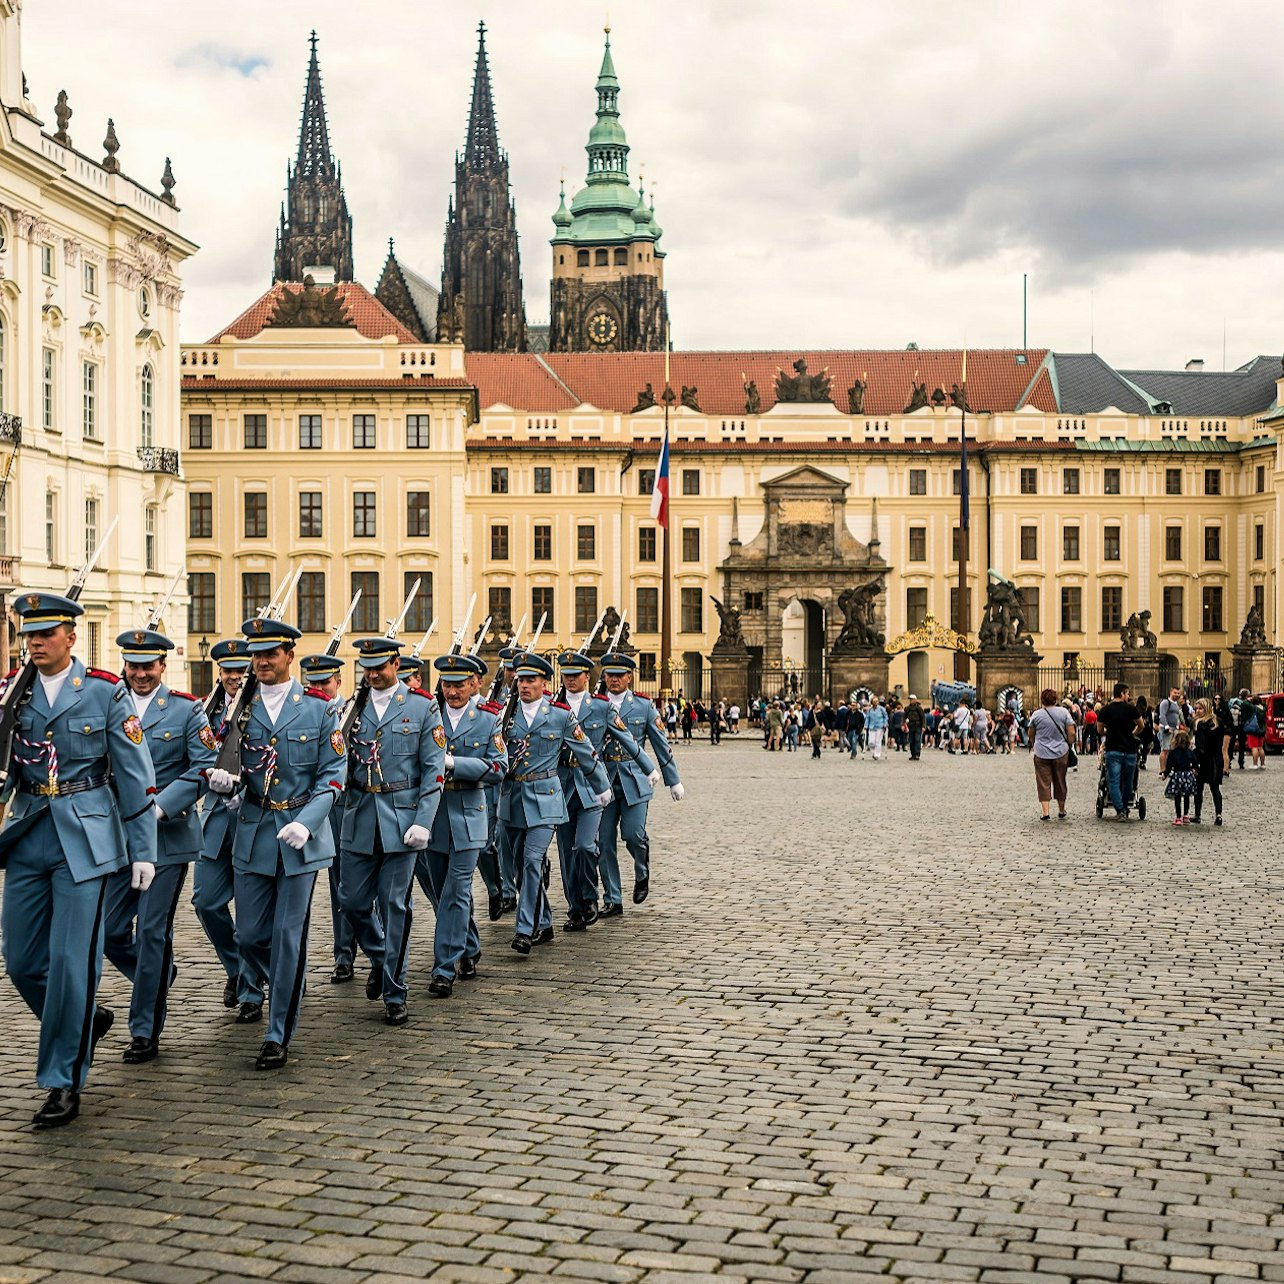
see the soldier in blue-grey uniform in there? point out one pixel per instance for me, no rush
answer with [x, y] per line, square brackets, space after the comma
[625, 814]
[498, 874]
[577, 838]
[475, 754]
[181, 744]
[396, 770]
[532, 804]
[212, 882]
[82, 788]
[410, 672]
[294, 764]
[324, 673]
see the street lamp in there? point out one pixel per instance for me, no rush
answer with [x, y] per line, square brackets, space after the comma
[203, 647]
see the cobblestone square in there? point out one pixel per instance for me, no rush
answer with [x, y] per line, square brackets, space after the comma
[874, 1019]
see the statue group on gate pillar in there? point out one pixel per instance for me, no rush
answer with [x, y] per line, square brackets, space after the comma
[1006, 656]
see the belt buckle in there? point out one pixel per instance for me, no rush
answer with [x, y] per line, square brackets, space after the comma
[49, 790]
[276, 806]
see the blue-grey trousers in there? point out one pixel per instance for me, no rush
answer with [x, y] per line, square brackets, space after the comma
[140, 942]
[53, 951]
[375, 896]
[273, 912]
[496, 873]
[628, 821]
[530, 845]
[577, 853]
[450, 874]
[213, 887]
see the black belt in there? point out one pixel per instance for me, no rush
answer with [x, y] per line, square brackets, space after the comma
[535, 775]
[383, 787]
[60, 788]
[462, 786]
[266, 804]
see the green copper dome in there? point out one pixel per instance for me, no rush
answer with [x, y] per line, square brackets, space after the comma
[604, 211]
[562, 218]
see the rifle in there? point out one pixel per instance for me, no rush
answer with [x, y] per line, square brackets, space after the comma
[423, 642]
[457, 644]
[510, 709]
[480, 638]
[18, 692]
[361, 697]
[332, 647]
[588, 642]
[497, 682]
[615, 641]
[229, 752]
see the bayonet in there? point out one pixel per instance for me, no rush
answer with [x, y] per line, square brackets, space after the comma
[336, 638]
[394, 626]
[158, 614]
[592, 633]
[423, 641]
[481, 636]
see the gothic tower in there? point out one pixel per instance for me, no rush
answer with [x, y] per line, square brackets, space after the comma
[315, 228]
[481, 276]
[608, 267]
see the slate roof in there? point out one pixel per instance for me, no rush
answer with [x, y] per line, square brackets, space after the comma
[368, 316]
[1232, 393]
[1086, 384]
[997, 381]
[424, 296]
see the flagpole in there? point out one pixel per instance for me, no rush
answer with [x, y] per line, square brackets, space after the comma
[666, 565]
[962, 671]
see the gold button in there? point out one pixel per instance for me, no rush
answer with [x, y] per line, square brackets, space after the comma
[303, 737]
[272, 741]
[49, 734]
[86, 728]
[276, 780]
[167, 735]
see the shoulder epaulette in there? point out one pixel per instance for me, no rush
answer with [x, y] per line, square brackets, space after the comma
[637, 695]
[419, 691]
[317, 694]
[557, 704]
[491, 706]
[13, 673]
[184, 695]
[601, 695]
[113, 678]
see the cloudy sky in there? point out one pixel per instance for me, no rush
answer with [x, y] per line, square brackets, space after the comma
[843, 174]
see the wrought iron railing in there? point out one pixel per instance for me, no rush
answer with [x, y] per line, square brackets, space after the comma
[11, 429]
[158, 459]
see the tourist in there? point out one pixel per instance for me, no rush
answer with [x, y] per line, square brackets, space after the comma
[855, 729]
[1053, 731]
[1169, 718]
[1146, 736]
[1181, 777]
[961, 726]
[915, 721]
[981, 730]
[733, 719]
[1254, 716]
[775, 721]
[876, 728]
[1212, 758]
[1121, 722]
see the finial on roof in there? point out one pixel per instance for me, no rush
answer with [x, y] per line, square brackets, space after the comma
[62, 113]
[167, 182]
[111, 145]
[312, 40]
[390, 247]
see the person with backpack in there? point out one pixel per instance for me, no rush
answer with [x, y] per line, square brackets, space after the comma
[1169, 719]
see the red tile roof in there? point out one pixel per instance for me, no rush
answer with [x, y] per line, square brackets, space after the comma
[611, 381]
[368, 316]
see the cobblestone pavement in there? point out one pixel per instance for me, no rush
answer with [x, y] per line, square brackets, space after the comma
[875, 1019]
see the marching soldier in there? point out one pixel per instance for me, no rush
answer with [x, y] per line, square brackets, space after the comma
[495, 862]
[212, 884]
[181, 744]
[532, 803]
[631, 788]
[475, 754]
[295, 767]
[577, 838]
[397, 753]
[324, 673]
[411, 672]
[83, 809]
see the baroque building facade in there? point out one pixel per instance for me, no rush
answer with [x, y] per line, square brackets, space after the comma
[90, 290]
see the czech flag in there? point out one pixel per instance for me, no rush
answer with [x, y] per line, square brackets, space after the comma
[660, 491]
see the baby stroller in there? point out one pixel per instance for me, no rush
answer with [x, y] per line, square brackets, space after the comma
[1103, 794]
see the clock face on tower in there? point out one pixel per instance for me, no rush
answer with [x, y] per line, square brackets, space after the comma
[602, 329]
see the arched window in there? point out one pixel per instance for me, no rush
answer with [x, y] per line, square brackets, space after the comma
[582, 258]
[147, 391]
[600, 259]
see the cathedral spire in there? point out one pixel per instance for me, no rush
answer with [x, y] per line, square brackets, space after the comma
[314, 156]
[481, 151]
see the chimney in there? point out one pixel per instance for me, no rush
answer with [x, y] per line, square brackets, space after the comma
[1195, 363]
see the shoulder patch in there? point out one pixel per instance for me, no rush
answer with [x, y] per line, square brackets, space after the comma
[427, 695]
[557, 704]
[601, 695]
[637, 695]
[184, 695]
[491, 706]
[316, 694]
[103, 675]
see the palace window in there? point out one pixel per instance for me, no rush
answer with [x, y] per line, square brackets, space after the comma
[1212, 481]
[149, 538]
[200, 431]
[646, 481]
[147, 413]
[646, 666]
[1212, 613]
[499, 481]
[600, 258]
[1172, 543]
[48, 385]
[1259, 542]
[1259, 599]
[1070, 543]
[646, 543]
[1174, 609]
[498, 544]
[582, 258]
[692, 610]
[200, 602]
[1110, 544]
[256, 432]
[690, 543]
[543, 481]
[918, 543]
[255, 515]
[418, 432]
[1212, 543]
[648, 608]
[364, 520]
[89, 400]
[51, 528]
[1029, 543]
[499, 603]
[1030, 596]
[1111, 608]
[363, 432]
[310, 596]
[585, 607]
[955, 623]
[690, 481]
[90, 277]
[256, 590]
[419, 617]
[915, 607]
[47, 260]
[918, 481]
[956, 543]
[200, 514]
[542, 605]
[1029, 481]
[1259, 479]
[542, 543]
[1069, 481]
[1172, 481]
[1110, 480]
[586, 480]
[310, 514]
[1071, 610]
[367, 617]
[621, 258]
[309, 432]
[586, 545]
[418, 525]
[753, 600]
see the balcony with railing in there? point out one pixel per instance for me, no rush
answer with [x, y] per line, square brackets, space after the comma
[11, 429]
[158, 459]
[9, 571]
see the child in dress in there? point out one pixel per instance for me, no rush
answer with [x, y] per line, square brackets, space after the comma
[1181, 784]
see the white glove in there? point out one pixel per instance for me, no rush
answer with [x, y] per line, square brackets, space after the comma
[450, 762]
[608, 796]
[221, 782]
[416, 837]
[156, 811]
[141, 874]
[294, 835]
[234, 803]
[677, 792]
[655, 777]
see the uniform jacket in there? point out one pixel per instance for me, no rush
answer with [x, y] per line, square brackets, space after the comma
[182, 747]
[302, 757]
[643, 723]
[480, 756]
[536, 752]
[216, 820]
[406, 746]
[600, 723]
[93, 731]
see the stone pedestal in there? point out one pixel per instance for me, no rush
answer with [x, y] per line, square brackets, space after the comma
[1253, 668]
[1141, 671]
[996, 670]
[729, 675]
[850, 670]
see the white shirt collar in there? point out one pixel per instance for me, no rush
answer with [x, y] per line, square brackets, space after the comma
[272, 696]
[52, 685]
[143, 702]
[456, 714]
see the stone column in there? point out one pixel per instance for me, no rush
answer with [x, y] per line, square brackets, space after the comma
[998, 669]
[1253, 668]
[849, 670]
[729, 674]
[1141, 671]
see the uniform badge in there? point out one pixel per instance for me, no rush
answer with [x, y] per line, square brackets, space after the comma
[133, 729]
[439, 735]
[140, 638]
[619, 723]
[578, 733]
[33, 601]
[233, 647]
[257, 626]
[499, 743]
[207, 737]
[336, 742]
